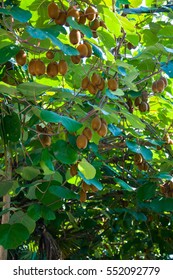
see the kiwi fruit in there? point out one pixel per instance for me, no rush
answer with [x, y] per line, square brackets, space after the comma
[75, 37]
[73, 13]
[94, 189]
[138, 101]
[53, 10]
[52, 69]
[95, 35]
[130, 46]
[90, 13]
[39, 128]
[50, 54]
[154, 87]
[101, 86]
[112, 84]
[85, 187]
[87, 132]
[45, 140]
[83, 50]
[164, 80]
[143, 107]
[21, 58]
[83, 196]
[61, 20]
[62, 67]
[89, 49]
[92, 89]
[103, 130]
[140, 166]
[73, 170]
[75, 59]
[85, 83]
[144, 95]
[81, 141]
[39, 67]
[102, 24]
[96, 123]
[145, 166]
[138, 158]
[82, 18]
[160, 85]
[31, 67]
[95, 79]
[94, 25]
[103, 121]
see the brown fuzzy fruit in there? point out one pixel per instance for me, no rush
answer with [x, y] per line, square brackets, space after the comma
[83, 50]
[83, 196]
[75, 59]
[143, 107]
[85, 83]
[138, 158]
[31, 67]
[90, 13]
[160, 85]
[164, 80]
[73, 13]
[82, 18]
[53, 10]
[85, 187]
[94, 189]
[21, 58]
[103, 130]
[46, 140]
[52, 69]
[50, 54]
[75, 36]
[154, 87]
[96, 123]
[62, 67]
[61, 20]
[130, 46]
[89, 49]
[101, 85]
[88, 133]
[112, 84]
[92, 89]
[73, 170]
[94, 25]
[138, 101]
[144, 95]
[95, 79]
[104, 121]
[82, 141]
[39, 67]
[102, 24]
[95, 35]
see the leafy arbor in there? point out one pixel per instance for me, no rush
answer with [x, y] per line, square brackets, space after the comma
[112, 199]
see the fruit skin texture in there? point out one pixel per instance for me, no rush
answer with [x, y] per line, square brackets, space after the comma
[61, 20]
[53, 10]
[73, 13]
[62, 67]
[31, 67]
[88, 133]
[101, 85]
[83, 50]
[143, 106]
[73, 170]
[94, 24]
[112, 84]
[164, 80]
[50, 54]
[138, 101]
[92, 89]
[85, 187]
[46, 140]
[75, 59]
[95, 79]
[158, 86]
[85, 83]
[82, 141]
[83, 196]
[52, 69]
[39, 67]
[103, 130]
[89, 49]
[21, 58]
[90, 13]
[75, 36]
[96, 123]
[82, 18]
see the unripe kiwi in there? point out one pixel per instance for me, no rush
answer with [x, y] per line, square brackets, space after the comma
[62, 67]
[61, 20]
[82, 141]
[88, 133]
[95, 79]
[75, 36]
[82, 18]
[39, 67]
[83, 196]
[89, 49]
[83, 50]
[21, 58]
[94, 24]
[112, 84]
[164, 80]
[85, 187]
[90, 13]
[85, 83]
[101, 85]
[52, 69]
[138, 101]
[46, 140]
[75, 59]
[53, 10]
[50, 54]
[73, 170]
[92, 89]
[96, 123]
[73, 13]
[103, 130]
[143, 107]
[31, 67]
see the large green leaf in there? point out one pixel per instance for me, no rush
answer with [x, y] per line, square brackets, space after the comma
[106, 38]
[11, 236]
[63, 192]
[123, 184]
[22, 218]
[32, 89]
[146, 191]
[87, 169]
[134, 147]
[12, 127]
[17, 13]
[94, 181]
[28, 173]
[162, 204]
[5, 187]
[98, 51]
[8, 52]
[64, 152]
[134, 120]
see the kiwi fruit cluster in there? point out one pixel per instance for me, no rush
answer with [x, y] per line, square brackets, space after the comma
[167, 189]
[83, 139]
[167, 139]
[100, 126]
[142, 102]
[85, 189]
[140, 162]
[43, 137]
[93, 84]
[159, 85]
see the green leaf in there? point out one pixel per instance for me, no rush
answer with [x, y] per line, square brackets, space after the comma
[134, 120]
[98, 52]
[106, 38]
[10, 237]
[12, 127]
[164, 175]
[32, 89]
[64, 152]
[63, 192]
[162, 204]
[123, 184]
[28, 173]
[34, 211]
[7, 89]
[47, 214]
[22, 218]
[5, 187]
[46, 158]
[8, 52]
[83, 28]
[17, 13]
[111, 20]
[94, 181]
[134, 147]
[87, 169]
[146, 191]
